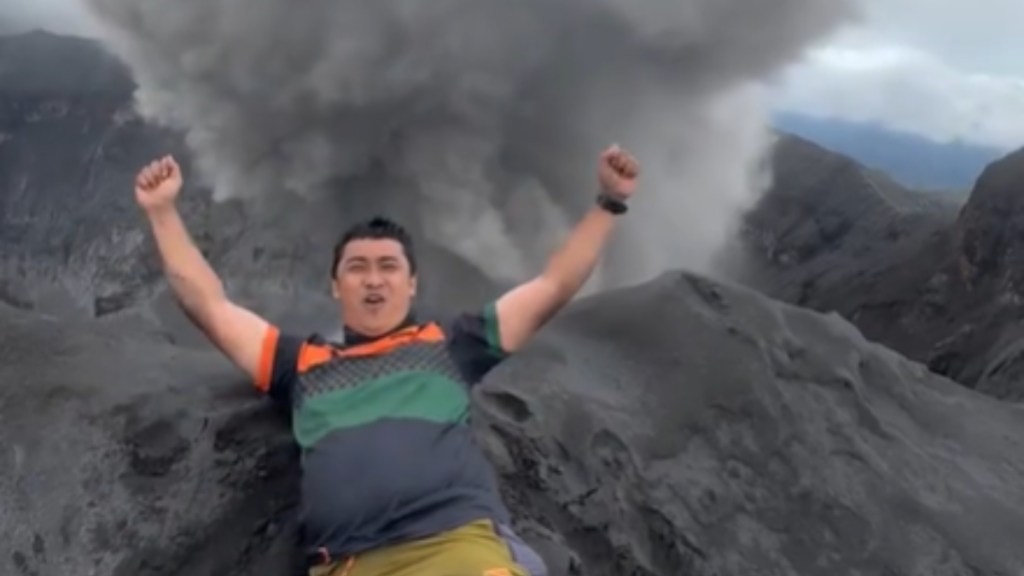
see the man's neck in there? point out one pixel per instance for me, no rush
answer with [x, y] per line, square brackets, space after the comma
[353, 336]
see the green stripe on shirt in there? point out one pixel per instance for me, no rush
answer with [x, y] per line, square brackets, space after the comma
[415, 395]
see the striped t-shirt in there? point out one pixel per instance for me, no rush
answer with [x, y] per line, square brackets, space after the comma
[387, 453]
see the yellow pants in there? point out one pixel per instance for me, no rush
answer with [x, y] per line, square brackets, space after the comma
[472, 550]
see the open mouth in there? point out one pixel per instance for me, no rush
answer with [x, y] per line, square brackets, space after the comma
[373, 300]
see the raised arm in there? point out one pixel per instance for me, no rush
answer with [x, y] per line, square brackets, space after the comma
[526, 308]
[237, 332]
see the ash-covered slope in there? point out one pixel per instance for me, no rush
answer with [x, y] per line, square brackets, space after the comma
[679, 427]
[918, 272]
[705, 429]
[123, 454]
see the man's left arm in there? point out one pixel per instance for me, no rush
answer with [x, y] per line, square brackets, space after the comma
[522, 311]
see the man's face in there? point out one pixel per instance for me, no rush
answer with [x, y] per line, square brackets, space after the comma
[374, 284]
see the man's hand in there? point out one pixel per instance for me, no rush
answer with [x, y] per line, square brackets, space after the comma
[158, 184]
[618, 172]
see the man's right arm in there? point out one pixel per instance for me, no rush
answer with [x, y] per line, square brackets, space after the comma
[238, 333]
[249, 341]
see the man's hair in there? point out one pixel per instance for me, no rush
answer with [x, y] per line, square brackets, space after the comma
[376, 228]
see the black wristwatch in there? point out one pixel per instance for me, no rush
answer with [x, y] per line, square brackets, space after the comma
[611, 204]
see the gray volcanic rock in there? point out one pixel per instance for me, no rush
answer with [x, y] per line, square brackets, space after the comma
[688, 427]
[992, 225]
[832, 235]
[830, 228]
[69, 142]
[934, 280]
[989, 254]
[679, 427]
[122, 454]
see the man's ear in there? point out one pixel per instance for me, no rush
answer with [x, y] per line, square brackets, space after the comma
[413, 284]
[335, 292]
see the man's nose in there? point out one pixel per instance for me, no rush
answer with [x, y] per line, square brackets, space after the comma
[373, 278]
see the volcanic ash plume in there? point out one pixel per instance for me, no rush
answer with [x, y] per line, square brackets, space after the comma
[482, 118]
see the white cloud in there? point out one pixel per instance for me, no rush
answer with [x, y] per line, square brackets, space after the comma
[909, 90]
[943, 69]
[981, 36]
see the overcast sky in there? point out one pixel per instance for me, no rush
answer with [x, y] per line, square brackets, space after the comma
[945, 69]
[941, 68]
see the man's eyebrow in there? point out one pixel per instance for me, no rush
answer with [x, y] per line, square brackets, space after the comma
[360, 259]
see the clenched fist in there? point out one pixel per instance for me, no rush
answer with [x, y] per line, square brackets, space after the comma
[158, 184]
[618, 172]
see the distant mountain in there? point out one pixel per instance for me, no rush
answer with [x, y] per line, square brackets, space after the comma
[912, 160]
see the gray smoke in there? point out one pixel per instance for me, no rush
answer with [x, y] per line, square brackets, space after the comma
[482, 118]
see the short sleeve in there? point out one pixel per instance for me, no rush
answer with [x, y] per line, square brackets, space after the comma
[476, 343]
[279, 361]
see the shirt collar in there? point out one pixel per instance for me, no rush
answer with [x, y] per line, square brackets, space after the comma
[353, 337]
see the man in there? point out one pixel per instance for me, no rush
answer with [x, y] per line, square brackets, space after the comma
[393, 483]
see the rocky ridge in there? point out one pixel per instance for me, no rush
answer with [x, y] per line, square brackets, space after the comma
[930, 277]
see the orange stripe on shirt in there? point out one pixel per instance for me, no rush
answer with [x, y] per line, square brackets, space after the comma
[265, 369]
[313, 355]
[428, 334]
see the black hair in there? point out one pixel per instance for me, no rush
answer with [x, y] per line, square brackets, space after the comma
[376, 228]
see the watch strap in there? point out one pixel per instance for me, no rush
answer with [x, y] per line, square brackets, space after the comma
[611, 204]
